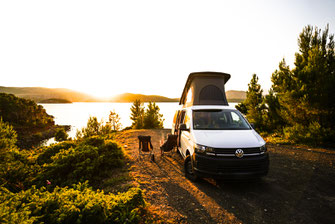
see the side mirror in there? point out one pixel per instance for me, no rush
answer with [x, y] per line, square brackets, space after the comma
[252, 125]
[183, 127]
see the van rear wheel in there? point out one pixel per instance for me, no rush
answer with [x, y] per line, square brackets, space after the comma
[189, 172]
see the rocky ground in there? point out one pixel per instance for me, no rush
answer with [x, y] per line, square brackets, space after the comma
[300, 187]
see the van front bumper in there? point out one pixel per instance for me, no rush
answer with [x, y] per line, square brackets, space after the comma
[230, 167]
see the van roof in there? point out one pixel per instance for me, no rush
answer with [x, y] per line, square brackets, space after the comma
[204, 107]
[205, 88]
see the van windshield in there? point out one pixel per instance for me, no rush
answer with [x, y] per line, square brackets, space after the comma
[219, 120]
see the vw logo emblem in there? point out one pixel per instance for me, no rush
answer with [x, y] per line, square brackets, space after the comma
[239, 153]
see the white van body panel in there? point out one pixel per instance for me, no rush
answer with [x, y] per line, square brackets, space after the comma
[186, 143]
[228, 138]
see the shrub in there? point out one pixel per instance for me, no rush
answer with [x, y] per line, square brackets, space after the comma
[93, 141]
[61, 135]
[89, 160]
[95, 128]
[18, 169]
[8, 136]
[48, 152]
[79, 204]
[312, 134]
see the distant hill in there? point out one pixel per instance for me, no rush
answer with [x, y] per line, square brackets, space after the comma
[61, 95]
[232, 96]
[53, 100]
[40, 94]
[131, 97]
[236, 96]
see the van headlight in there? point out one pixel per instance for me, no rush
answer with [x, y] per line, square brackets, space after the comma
[202, 149]
[263, 148]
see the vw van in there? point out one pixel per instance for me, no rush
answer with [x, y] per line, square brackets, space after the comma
[214, 139]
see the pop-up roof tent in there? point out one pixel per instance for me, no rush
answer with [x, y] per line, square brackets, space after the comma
[205, 88]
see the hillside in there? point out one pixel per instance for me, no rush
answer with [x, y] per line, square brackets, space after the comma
[232, 96]
[53, 100]
[236, 96]
[131, 97]
[39, 94]
[59, 95]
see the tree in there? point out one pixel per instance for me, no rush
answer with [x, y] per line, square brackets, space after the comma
[273, 121]
[137, 114]
[93, 127]
[152, 117]
[253, 105]
[23, 113]
[114, 121]
[242, 107]
[305, 93]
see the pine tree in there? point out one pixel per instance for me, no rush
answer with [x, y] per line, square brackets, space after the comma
[137, 114]
[253, 105]
[114, 121]
[305, 93]
[152, 117]
[273, 121]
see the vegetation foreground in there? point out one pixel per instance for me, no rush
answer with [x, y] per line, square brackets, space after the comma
[84, 180]
[65, 182]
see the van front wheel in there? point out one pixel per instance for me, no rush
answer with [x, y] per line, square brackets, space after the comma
[189, 173]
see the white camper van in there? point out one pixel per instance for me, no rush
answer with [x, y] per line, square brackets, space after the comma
[216, 140]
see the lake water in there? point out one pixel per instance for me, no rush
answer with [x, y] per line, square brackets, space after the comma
[77, 114]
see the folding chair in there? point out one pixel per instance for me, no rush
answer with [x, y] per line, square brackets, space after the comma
[145, 147]
[169, 144]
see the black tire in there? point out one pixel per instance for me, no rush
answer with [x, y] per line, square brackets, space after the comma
[188, 168]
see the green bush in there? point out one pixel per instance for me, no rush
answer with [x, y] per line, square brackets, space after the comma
[8, 136]
[61, 135]
[18, 169]
[79, 204]
[96, 128]
[47, 152]
[89, 160]
[312, 134]
[93, 141]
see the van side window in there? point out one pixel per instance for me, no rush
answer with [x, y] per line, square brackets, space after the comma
[180, 119]
[189, 96]
[187, 120]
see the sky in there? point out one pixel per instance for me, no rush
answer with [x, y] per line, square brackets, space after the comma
[111, 47]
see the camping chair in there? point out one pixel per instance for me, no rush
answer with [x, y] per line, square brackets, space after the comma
[145, 147]
[169, 144]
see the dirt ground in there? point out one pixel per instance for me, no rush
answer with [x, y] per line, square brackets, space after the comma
[300, 187]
